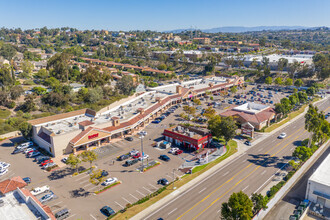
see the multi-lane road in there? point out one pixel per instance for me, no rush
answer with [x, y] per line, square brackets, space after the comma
[249, 172]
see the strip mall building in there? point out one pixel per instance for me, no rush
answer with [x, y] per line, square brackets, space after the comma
[87, 129]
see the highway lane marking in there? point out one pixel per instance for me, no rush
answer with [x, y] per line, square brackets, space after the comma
[202, 190]
[225, 173]
[140, 193]
[198, 183]
[260, 149]
[270, 178]
[292, 148]
[172, 211]
[93, 217]
[119, 205]
[245, 188]
[263, 172]
[126, 200]
[245, 177]
[233, 177]
[147, 189]
[134, 197]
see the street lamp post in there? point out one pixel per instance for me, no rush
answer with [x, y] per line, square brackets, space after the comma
[141, 137]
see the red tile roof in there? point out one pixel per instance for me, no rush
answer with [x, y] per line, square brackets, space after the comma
[44, 207]
[11, 184]
[255, 118]
[81, 135]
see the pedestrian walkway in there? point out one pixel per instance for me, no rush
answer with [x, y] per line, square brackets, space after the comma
[193, 161]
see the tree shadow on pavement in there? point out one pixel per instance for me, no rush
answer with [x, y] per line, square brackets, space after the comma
[264, 160]
[76, 193]
[59, 174]
[11, 142]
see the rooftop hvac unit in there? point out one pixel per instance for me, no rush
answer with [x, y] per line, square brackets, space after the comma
[191, 134]
[178, 128]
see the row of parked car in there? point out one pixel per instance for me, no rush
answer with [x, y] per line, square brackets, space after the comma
[167, 113]
[4, 168]
[32, 151]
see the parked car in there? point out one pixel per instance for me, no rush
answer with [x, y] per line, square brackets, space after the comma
[163, 181]
[41, 159]
[46, 162]
[16, 151]
[248, 143]
[173, 150]
[133, 152]
[64, 159]
[129, 138]
[282, 135]
[137, 155]
[46, 197]
[156, 121]
[123, 157]
[178, 152]
[3, 171]
[34, 154]
[104, 173]
[4, 165]
[25, 145]
[109, 181]
[131, 162]
[62, 214]
[144, 157]
[39, 190]
[28, 150]
[164, 157]
[27, 180]
[107, 211]
[49, 165]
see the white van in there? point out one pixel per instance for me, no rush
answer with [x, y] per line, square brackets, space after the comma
[25, 145]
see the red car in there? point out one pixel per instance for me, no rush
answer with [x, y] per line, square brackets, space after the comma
[136, 156]
[178, 152]
[45, 162]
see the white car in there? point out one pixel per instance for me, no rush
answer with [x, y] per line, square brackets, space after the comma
[28, 150]
[25, 145]
[133, 152]
[4, 165]
[145, 156]
[49, 165]
[109, 181]
[39, 190]
[144, 133]
[281, 136]
[3, 171]
[173, 150]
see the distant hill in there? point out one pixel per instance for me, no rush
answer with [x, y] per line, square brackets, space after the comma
[240, 29]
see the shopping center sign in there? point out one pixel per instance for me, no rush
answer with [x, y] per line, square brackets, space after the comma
[93, 136]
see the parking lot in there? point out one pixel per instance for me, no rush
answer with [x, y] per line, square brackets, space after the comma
[76, 192]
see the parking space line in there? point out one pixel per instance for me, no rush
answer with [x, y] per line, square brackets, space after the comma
[83, 177]
[71, 216]
[82, 182]
[87, 185]
[55, 210]
[169, 176]
[147, 189]
[90, 189]
[126, 200]
[57, 203]
[119, 205]
[134, 197]
[93, 217]
[140, 193]
[153, 186]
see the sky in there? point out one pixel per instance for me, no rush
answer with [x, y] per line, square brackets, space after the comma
[162, 15]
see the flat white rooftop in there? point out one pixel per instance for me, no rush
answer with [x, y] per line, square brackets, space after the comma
[322, 173]
[196, 84]
[250, 107]
[15, 208]
[275, 57]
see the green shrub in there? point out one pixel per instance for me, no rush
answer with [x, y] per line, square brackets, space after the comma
[11, 104]
[4, 113]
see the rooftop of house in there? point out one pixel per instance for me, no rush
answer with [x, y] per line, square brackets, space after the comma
[322, 173]
[11, 184]
[251, 108]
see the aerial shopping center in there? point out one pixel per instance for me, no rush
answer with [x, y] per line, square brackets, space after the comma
[86, 129]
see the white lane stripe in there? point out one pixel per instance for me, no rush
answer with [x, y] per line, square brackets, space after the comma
[119, 205]
[140, 193]
[147, 189]
[263, 172]
[153, 186]
[169, 176]
[245, 188]
[134, 197]
[82, 182]
[225, 173]
[57, 203]
[172, 211]
[82, 177]
[93, 217]
[126, 200]
[260, 150]
[202, 190]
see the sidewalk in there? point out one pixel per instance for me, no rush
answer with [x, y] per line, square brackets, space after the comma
[241, 150]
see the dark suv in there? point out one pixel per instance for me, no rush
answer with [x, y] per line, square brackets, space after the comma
[164, 157]
[131, 162]
[123, 157]
[106, 210]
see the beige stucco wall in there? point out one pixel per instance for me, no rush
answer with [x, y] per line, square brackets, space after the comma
[60, 142]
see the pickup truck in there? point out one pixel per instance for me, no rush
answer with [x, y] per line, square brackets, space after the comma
[39, 190]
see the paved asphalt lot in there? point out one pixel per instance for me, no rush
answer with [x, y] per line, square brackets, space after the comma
[77, 192]
[249, 173]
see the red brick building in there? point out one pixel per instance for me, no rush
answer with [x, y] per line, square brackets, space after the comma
[192, 138]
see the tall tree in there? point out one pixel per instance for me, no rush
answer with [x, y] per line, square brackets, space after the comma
[88, 156]
[259, 202]
[58, 65]
[73, 161]
[239, 206]
[126, 85]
